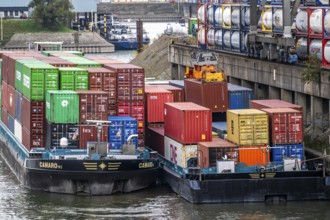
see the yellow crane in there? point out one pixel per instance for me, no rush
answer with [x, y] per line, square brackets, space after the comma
[204, 67]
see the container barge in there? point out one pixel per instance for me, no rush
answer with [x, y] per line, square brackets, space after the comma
[59, 128]
[260, 156]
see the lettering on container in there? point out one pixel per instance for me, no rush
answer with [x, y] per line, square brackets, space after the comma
[18, 75]
[153, 97]
[50, 165]
[146, 165]
[232, 126]
[26, 81]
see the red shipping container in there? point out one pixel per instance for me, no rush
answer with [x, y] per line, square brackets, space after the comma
[124, 68]
[4, 95]
[155, 99]
[212, 95]
[187, 122]
[88, 133]
[112, 110]
[286, 125]
[32, 140]
[155, 139]
[134, 109]
[178, 93]
[273, 103]
[34, 116]
[137, 85]
[11, 99]
[124, 87]
[4, 116]
[93, 105]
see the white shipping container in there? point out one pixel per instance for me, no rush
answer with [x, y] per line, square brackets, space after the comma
[178, 153]
[225, 166]
[18, 131]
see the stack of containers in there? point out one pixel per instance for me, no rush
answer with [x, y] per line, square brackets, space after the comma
[120, 129]
[248, 128]
[130, 93]
[104, 80]
[62, 114]
[73, 78]
[185, 124]
[212, 95]
[286, 123]
[93, 105]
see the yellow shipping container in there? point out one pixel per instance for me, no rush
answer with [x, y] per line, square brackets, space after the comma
[246, 127]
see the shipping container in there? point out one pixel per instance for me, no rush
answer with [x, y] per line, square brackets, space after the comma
[210, 152]
[156, 97]
[4, 116]
[18, 106]
[155, 139]
[18, 130]
[316, 22]
[72, 78]
[183, 155]
[212, 95]
[178, 93]
[177, 83]
[105, 80]
[254, 155]
[93, 105]
[135, 109]
[4, 95]
[239, 97]
[285, 125]
[62, 106]
[187, 122]
[273, 103]
[56, 131]
[11, 99]
[56, 61]
[281, 151]
[38, 79]
[19, 69]
[120, 129]
[80, 62]
[88, 133]
[34, 116]
[62, 53]
[32, 140]
[11, 123]
[247, 127]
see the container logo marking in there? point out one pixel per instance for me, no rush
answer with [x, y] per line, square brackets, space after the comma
[65, 103]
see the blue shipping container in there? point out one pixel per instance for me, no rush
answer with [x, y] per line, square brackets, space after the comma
[120, 129]
[11, 123]
[287, 150]
[239, 97]
[18, 106]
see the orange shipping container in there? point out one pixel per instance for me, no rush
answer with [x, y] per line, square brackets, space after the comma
[253, 155]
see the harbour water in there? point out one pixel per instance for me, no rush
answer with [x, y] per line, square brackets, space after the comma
[158, 202]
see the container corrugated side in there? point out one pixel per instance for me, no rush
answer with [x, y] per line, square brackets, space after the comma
[73, 78]
[18, 130]
[247, 127]
[11, 123]
[178, 93]
[120, 129]
[187, 122]
[18, 106]
[210, 152]
[32, 140]
[11, 100]
[80, 62]
[239, 97]
[155, 99]
[212, 95]
[4, 116]
[4, 95]
[62, 106]
[281, 151]
[88, 133]
[34, 116]
[286, 125]
[183, 155]
[254, 155]
[135, 109]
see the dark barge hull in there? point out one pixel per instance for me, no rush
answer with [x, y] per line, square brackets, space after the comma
[254, 187]
[76, 176]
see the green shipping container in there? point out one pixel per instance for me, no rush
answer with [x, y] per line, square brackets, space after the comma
[51, 52]
[19, 68]
[73, 78]
[62, 106]
[82, 62]
[37, 79]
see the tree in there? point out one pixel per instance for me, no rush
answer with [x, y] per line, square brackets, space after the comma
[51, 14]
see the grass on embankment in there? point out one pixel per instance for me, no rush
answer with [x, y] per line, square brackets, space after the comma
[13, 26]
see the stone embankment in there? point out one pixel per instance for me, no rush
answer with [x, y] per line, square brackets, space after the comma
[88, 42]
[154, 58]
